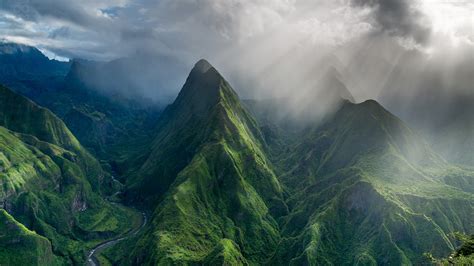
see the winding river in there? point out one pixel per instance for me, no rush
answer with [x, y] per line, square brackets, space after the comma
[92, 256]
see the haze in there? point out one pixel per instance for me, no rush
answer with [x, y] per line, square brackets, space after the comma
[266, 49]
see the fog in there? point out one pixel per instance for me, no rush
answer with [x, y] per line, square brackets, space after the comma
[306, 52]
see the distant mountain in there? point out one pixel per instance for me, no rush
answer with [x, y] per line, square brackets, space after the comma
[28, 71]
[101, 120]
[307, 108]
[51, 185]
[101, 117]
[334, 87]
[437, 101]
[358, 186]
[142, 77]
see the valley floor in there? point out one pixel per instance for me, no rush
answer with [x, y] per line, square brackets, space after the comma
[94, 257]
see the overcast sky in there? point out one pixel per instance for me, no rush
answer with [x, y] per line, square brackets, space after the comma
[105, 29]
[244, 38]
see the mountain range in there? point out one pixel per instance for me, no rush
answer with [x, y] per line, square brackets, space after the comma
[220, 180]
[334, 193]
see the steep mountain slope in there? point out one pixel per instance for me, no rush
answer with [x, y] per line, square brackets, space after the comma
[367, 190]
[20, 246]
[23, 116]
[361, 187]
[464, 254]
[50, 184]
[207, 164]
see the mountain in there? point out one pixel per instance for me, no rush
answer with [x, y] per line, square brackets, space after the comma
[365, 189]
[306, 180]
[357, 187]
[143, 76]
[30, 248]
[436, 97]
[28, 71]
[207, 168]
[334, 87]
[96, 108]
[50, 185]
[101, 120]
[290, 114]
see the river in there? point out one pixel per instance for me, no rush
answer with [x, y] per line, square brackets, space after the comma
[91, 257]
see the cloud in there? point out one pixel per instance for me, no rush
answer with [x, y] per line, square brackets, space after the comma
[259, 45]
[400, 18]
[106, 29]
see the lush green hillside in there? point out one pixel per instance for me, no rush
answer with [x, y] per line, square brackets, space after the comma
[219, 192]
[224, 185]
[20, 246]
[50, 184]
[366, 189]
[361, 187]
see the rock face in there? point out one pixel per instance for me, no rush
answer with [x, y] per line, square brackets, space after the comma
[79, 204]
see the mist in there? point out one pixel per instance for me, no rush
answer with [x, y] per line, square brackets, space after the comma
[301, 51]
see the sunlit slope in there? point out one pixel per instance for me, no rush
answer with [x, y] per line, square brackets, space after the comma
[21, 115]
[20, 246]
[360, 187]
[367, 190]
[50, 184]
[222, 191]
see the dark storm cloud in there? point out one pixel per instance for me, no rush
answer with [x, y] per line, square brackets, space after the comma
[398, 18]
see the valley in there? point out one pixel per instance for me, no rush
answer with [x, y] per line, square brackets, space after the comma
[95, 252]
[94, 178]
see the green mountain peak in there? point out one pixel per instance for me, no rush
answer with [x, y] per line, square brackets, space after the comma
[207, 174]
[203, 89]
[202, 66]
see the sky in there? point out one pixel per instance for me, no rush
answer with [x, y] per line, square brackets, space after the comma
[257, 44]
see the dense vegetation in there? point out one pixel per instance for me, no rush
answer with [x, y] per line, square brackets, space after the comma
[51, 185]
[223, 182]
[357, 188]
